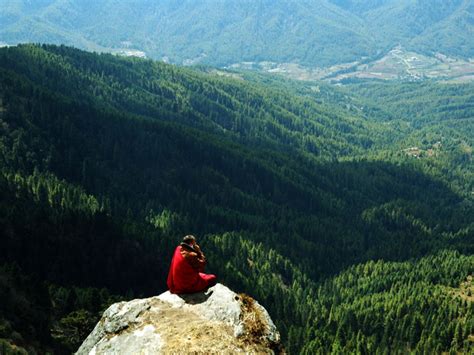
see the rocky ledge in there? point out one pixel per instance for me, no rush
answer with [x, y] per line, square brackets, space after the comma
[215, 321]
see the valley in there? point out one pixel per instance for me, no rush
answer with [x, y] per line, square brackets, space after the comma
[325, 203]
[398, 64]
[321, 151]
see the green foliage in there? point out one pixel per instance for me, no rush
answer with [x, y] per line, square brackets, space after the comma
[436, 119]
[311, 32]
[24, 310]
[72, 329]
[375, 306]
[432, 26]
[8, 349]
[403, 306]
[107, 162]
[47, 318]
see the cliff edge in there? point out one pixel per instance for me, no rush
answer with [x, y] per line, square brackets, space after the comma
[215, 321]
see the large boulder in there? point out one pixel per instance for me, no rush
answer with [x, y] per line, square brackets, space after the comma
[215, 321]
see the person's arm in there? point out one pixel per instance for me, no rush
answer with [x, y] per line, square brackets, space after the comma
[198, 250]
[197, 260]
[201, 257]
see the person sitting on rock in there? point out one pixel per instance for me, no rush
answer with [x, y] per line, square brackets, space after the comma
[186, 273]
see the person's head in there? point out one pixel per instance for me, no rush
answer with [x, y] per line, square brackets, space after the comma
[189, 239]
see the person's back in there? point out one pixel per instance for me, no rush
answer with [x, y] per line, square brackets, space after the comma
[186, 270]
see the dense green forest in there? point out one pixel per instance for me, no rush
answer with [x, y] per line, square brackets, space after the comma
[312, 201]
[313, 33]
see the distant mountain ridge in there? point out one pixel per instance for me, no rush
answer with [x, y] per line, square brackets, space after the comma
[314, 33]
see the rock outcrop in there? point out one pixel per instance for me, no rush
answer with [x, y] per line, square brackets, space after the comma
[215, 321]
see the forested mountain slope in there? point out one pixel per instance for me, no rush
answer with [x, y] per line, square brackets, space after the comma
[422, 25]
[106, 162]
[309, 32]
[430, 122]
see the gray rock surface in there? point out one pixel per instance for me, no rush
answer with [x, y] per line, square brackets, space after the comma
[215, 321]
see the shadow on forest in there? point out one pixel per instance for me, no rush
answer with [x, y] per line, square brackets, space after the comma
[371, 210]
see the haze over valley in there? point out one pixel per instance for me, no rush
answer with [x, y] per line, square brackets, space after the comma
[316, 37]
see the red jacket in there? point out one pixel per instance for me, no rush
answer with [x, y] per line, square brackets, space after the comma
[185, 276]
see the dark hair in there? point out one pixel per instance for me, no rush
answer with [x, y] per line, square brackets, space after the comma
[189, 239]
